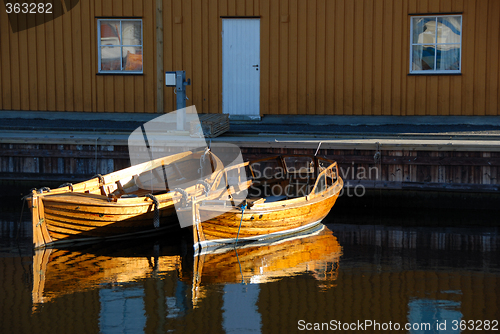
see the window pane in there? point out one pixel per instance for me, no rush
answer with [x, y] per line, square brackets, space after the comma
[110, 58]
[423, 57]
[424, 30]
[448, 57]
[449, 29]
[133, 58]
[110, 32]
[131, 31]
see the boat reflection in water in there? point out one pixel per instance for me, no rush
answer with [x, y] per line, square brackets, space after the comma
[58, 272]
[314, 252]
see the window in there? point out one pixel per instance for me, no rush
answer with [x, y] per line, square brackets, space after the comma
[436, 44]
[120, 45]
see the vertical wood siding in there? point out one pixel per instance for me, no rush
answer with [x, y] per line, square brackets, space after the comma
[318, 57]
[53, 66]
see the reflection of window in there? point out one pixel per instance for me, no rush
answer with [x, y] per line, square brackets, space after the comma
[436, 44]
[120, 45]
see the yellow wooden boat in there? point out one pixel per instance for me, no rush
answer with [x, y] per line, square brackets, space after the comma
[286, 194]
[119, 204]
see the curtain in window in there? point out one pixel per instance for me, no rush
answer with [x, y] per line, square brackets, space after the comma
[448, 57]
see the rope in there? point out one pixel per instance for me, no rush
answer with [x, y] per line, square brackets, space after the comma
[29, 195]
[41, 190]
[184, 196]
[202, 161]
[70, 185]
[21, 218]
[243, 207]
[156, 219]
[99, 176]
[205, 185]
[239, 263]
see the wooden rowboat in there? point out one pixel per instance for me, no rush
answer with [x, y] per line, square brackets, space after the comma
[119, 204]
[286, 194]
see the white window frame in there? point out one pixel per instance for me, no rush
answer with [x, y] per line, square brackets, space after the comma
[99, 45]
[412, 44]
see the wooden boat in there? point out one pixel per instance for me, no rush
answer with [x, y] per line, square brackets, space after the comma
[286, 194]
[119, 204]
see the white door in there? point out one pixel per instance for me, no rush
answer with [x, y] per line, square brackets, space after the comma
[241, 67]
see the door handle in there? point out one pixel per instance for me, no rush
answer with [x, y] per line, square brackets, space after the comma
[255, 65]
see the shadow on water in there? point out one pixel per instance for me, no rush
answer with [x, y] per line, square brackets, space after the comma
[406, 265]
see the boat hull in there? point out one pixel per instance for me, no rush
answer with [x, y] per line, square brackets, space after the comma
[286, 218]
[73, 217]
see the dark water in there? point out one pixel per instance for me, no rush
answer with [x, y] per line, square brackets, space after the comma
[361, 269]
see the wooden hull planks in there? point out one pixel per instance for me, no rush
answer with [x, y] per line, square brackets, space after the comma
[98, 208]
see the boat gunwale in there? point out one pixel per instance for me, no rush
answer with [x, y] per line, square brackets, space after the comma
[112, 178]
[285, 204]
[207, 244]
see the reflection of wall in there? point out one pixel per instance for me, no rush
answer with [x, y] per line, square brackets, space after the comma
[240, 309]
[428, 239]
[169, 309]
[383, 287]
[384, 270]
[75, 313]
[121, 310]
[440, 314]
[382, 296]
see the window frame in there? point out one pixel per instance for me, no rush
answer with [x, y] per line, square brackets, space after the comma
[99, 45]
[435, 44]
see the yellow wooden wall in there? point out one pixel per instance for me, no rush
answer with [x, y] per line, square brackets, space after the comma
[53, 66]
[332, 57]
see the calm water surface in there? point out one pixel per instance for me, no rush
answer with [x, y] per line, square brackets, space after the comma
[388, 271]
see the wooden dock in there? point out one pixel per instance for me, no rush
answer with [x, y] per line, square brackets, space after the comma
[383, 163]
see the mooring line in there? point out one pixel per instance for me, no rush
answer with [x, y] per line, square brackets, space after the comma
[239, 227]
[20, 218]
[239, 263]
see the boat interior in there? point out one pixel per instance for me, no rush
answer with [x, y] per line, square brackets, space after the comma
[278, 178]
[163, 178]
[156, 177]
[260, 181]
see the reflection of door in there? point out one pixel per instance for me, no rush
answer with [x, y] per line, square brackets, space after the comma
[241, 67]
